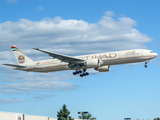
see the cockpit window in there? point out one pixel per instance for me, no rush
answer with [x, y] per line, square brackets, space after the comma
[152, 52]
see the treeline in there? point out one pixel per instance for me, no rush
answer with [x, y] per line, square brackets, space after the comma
[64, 114]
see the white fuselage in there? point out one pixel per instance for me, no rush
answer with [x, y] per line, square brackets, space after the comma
[109, 58]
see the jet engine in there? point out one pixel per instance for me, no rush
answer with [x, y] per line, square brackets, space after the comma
[92, 63]
[103, 68]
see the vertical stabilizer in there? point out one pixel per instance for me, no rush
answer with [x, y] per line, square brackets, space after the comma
[22, 59]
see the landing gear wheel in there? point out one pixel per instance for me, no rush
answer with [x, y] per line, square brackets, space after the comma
[87, 73]
[145, 66]
[81, 75]
[74, 73]
[77, 72]
[84, 70]
[84, 74]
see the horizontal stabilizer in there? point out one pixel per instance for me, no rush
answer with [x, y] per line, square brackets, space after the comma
[18, 66]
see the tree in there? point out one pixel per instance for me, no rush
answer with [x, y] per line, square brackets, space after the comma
[63, 113]
[87, 116]
[157, 118]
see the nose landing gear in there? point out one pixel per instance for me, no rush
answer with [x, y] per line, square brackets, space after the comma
[146, 64]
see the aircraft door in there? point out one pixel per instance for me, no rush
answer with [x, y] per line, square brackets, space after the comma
[120, 55]
[141, 53]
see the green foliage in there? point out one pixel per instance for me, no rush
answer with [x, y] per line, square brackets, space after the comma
[87, 116]
[157, 118]
[63, 113]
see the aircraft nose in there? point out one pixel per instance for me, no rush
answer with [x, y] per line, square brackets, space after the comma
[156, 54]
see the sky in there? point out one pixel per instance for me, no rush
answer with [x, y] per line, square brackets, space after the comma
[79, 27]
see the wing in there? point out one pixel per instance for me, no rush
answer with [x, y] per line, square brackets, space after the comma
[18, 66]
[63, 58]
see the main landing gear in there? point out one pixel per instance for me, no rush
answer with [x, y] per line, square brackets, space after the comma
[82, 73]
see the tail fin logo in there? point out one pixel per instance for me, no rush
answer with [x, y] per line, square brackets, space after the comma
[21, 59]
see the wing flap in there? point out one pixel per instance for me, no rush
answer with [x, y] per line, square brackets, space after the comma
[18, 66]
[61, 57]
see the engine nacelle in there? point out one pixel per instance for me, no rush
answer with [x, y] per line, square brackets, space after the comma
[103, 68]
[92, 63]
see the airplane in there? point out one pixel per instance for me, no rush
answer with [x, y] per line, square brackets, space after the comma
[100, 62]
